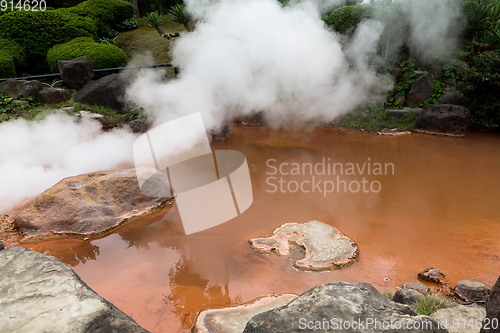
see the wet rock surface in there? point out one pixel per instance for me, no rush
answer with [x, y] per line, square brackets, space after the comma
[316, 309]
[86, 205]
[325, 246]
[491, 324]
[460, 318]
[472, 291]
[234, 319]
[39, 293]
[443, 119]
[432, 275]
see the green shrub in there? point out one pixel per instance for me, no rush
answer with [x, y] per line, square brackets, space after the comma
[107, 13]
[128, 24]
[11, 57]
[345, 19]
[429, 303]
[36, 32]
[101, 55]
[482, 87]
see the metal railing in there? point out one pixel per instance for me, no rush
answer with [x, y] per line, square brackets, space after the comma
[95, 71]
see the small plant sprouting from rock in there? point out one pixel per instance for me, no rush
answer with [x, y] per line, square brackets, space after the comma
[388, 294]
[429, 303]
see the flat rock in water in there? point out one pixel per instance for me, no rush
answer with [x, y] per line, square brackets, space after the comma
[321, 308]
[233, 319]
[86, 205]
[325, 246]
[40, 293]
[461, 318]
[472, 291]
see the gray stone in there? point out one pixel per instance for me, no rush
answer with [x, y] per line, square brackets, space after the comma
[472, 291]
[108, 91]
[2, 246]
[330, 302]
[141, 125]
[420, 90]
[40, 293]
[54, 95]
[87, 115]
[491, 324]
[438, 72]
[233, 319]
[400, 98]
[406, 296]
[421, 73]
[420, 287]
[399, 114]
[221, 133]
[76, 73]
[432, 275]
[451, 81]
[444, 119]
[254, 119]
[460, 318]
[325, 247]
[452, 96]
[20, 103]
[17, 88]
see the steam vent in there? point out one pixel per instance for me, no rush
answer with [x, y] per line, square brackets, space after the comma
[326, 248]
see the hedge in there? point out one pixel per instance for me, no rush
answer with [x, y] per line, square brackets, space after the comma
[346, 18]
[11, 57]
[37, 32]
[101, 55]
[107, 13]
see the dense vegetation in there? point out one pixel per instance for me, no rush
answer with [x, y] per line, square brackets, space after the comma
[11, 57]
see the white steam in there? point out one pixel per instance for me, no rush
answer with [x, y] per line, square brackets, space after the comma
[36, 155]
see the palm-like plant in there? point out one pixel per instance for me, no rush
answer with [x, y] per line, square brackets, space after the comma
[154, 20]
[180, 15]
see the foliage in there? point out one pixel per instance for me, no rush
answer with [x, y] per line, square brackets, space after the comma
[429, 303]
[345, 19]
[104, 41]
[107, 14]
[128, 24]
[11, 57]
[438, 91]
[7, 104]
[484, 20]
[451, 70]
[180, 15]
[101, 55]
[409, 76]
[482, 87]
[36, 32]
[154, 19]
[112, 116]
[376, 119]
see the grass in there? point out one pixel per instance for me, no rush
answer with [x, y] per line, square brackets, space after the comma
[429, 303]
[114, 117]
[144, 38]
[375, 119]
[388, 294]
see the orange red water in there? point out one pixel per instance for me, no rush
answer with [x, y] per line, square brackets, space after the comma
[441, 208]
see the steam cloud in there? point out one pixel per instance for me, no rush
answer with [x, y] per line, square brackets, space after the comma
[243, 57]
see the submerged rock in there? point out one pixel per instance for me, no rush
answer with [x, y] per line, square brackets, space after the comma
[334, 306]
[460, 318]
[491, 323]
[432, 275]
[234, 319]
[325, 246]
[472, 291]
[86, 205]
[40, 293]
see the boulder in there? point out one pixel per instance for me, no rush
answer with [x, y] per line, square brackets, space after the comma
[16, 88]
[54, 95]
[445, 119]
[108, 91]
[432, 275]
[420, 287]
[2, 246]
[253, 119]
[420, 90]
[399, 114]
[452, 96]
[76, 73]
[491, 323]
[234, 318]
[325, 246]
[406, 296]
[342, 307]
[141, 125]
[221, 133]
[40, 293]
[86, 205]
[460, 318]
[472, 291]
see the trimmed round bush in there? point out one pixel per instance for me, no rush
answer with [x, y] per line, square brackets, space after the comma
[101, 55]
[345, 19]
[11, 57]
[37, 32]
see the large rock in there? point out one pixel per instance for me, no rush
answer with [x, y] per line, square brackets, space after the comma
[86, 205]
[233, 319]
[16, 88]
[460, 318]
[452, 96]
[76, 73]
[40, 293]
[54, 95]
[491, 323]
[406, 296]
[443, 119]
[472, 291]
[420, 90]
[421, 288]
[334, 306]
[108, 91]
[325, 247]
[399, 114]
